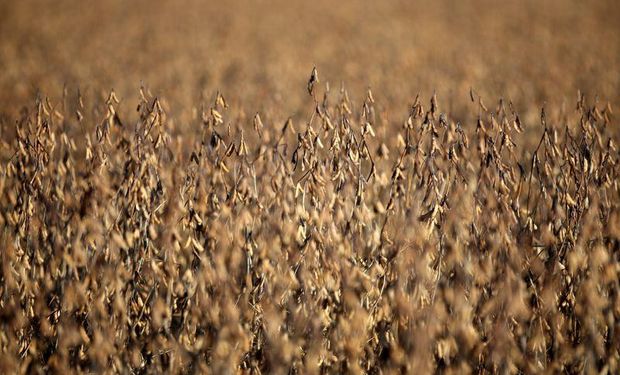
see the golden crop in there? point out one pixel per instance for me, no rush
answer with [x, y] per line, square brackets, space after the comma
[313, 187]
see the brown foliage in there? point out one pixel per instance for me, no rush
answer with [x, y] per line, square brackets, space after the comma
[369, 235]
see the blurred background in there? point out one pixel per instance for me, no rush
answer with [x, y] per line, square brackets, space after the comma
[260, 53]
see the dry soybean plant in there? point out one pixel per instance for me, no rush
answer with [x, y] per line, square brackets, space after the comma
[258, 244]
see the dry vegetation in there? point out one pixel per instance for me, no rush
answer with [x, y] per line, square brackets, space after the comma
[225, 209]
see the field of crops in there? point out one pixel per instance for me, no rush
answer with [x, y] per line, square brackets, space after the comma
[322, 187]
